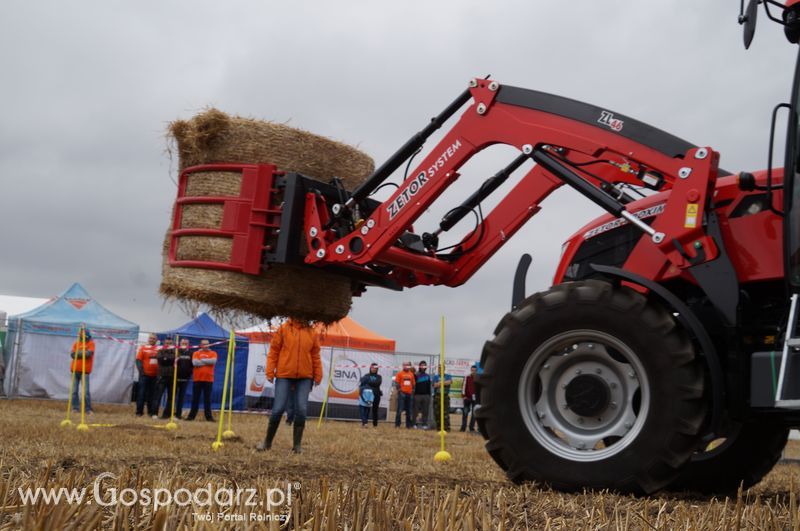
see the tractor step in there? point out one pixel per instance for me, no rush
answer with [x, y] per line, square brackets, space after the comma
[790, 344]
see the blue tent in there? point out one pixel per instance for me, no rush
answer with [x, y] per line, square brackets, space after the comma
[204, 327]
[39, 342]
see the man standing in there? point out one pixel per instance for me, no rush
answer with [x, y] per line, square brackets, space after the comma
[437, 396]
[468, 393]
[203, 362]
[422, 396]
[185, 367]
[82, 350]
[166, 370]
[374, 381]
[404, 381]
[147, 365]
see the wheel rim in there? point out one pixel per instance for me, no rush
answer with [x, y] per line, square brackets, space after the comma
[584, 395]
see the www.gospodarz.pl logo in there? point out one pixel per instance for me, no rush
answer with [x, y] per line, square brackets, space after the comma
[204, 497]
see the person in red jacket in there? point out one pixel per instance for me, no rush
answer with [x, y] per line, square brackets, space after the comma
[469, 394]
[294, 364]
[81, 350]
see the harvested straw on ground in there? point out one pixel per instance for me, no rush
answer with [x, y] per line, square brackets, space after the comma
[283, 290]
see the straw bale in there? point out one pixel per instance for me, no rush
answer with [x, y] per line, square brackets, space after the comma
[283, 290]
[213, 136]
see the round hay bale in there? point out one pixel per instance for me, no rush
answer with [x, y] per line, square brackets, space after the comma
[213, 136]
[283, 290]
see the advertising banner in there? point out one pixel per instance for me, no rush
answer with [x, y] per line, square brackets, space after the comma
[348, 367]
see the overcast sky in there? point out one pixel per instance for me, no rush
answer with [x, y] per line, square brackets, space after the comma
[87, 89]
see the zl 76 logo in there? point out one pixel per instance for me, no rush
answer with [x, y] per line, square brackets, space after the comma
[607, 119]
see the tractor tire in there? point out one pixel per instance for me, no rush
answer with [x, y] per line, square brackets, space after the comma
[743, 458]
[588, 385]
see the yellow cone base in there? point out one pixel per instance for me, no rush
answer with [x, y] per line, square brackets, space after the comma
[83, 427]
[216, 445]
[228, 434]
[66, 423]
[171, 426]
[442, 456]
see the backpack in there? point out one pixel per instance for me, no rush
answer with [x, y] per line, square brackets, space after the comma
[367, 396]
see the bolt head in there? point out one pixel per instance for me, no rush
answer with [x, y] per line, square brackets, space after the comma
[321, 253]
[628, 425]
[370, 223]
[546, 366]
[578, 371]
[313, 232]
[631, 375]
[336, 208]
[613, 405]
[339, 249]
[364, 230]
[481, 108]
[473, 83]
[494, 85]
[701, 153]
[598, 371]
[527, 149]
[684, 172]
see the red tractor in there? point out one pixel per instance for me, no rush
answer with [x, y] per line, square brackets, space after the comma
[666, 353]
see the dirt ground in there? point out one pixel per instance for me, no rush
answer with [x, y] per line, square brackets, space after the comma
[347, 477]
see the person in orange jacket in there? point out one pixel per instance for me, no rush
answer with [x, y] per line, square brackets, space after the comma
[147, 365]
[405, 382]
[293, 361]
[203, 361]
[78, 367]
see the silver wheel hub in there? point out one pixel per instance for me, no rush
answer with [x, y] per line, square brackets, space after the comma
[582, 395]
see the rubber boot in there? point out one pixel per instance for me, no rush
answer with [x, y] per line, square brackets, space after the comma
[298, 436]
[272, 429]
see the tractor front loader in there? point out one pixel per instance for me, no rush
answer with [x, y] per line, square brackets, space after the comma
[664, 355]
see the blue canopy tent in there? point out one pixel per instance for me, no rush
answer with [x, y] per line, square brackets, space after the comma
[40, 340]
[204, 327]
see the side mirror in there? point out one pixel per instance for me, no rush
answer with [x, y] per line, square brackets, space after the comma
[749, 21]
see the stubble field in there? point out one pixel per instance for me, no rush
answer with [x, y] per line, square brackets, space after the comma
[347, 478]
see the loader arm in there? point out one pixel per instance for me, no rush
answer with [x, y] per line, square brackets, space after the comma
[591, 149]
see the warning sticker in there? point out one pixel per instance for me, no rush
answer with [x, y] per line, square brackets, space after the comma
[691, 216]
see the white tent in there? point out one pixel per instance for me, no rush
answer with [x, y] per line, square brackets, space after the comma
[39, 342]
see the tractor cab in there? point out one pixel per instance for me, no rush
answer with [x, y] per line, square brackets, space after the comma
[786, 385]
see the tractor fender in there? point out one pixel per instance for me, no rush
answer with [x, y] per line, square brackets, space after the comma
[694, 326]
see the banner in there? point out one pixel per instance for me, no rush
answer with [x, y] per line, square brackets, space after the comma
[349, 366]
[457, 366]
[257, 385]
